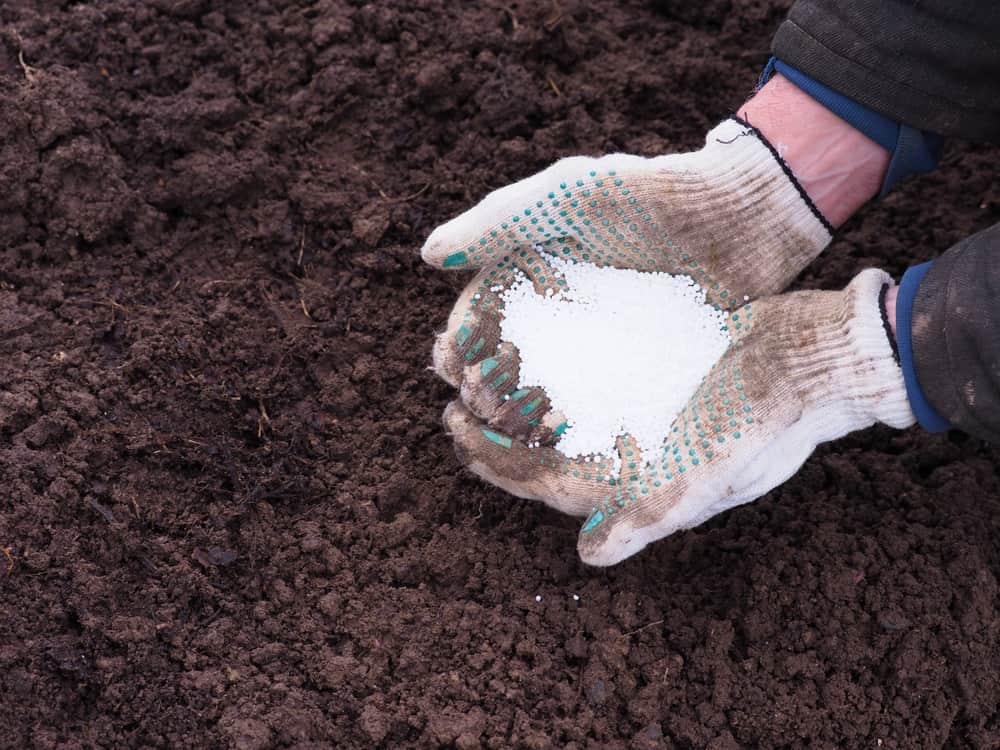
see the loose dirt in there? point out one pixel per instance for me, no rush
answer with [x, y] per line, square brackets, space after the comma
[229, 515]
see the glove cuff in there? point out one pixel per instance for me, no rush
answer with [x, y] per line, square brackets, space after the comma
[753, 202]
[862, 368]
[801, 210]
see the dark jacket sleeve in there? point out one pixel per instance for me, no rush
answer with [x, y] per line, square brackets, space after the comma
[956, 335]
[931, 64]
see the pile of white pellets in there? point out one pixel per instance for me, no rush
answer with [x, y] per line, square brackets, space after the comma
[617, 351]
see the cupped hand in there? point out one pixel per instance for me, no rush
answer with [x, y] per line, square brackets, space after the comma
[729, 216]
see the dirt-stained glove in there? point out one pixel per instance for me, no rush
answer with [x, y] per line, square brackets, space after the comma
[729, 215]
[803, 368]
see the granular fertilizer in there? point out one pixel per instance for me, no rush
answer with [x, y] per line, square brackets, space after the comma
[617, 351]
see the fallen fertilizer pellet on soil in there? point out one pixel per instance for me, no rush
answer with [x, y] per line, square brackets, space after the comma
[617, 351]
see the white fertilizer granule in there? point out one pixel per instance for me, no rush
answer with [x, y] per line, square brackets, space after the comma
[617, 351]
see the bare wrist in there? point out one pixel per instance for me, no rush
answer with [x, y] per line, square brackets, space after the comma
[839, 167]
[890, 309]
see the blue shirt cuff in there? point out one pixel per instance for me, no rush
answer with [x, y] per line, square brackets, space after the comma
[926, 414]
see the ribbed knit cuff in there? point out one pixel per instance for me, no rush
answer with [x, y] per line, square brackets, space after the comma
[740, 163]
[718, 133]
[877, 385]
[842, 362]
[926, 414]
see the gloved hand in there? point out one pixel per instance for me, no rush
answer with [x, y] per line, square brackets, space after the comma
[803, 368]
[729, 215]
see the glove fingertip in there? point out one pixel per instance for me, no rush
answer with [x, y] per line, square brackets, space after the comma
[443, 249]
[444, 361]
[605, 539]
[478, 447]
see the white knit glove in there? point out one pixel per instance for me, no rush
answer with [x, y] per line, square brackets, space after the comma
[803, 368]
[729, 215]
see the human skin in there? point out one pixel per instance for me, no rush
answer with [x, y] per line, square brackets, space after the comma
[839, 167]
[890, 308]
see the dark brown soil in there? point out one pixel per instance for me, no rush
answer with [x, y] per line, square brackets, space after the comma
[229, 515]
